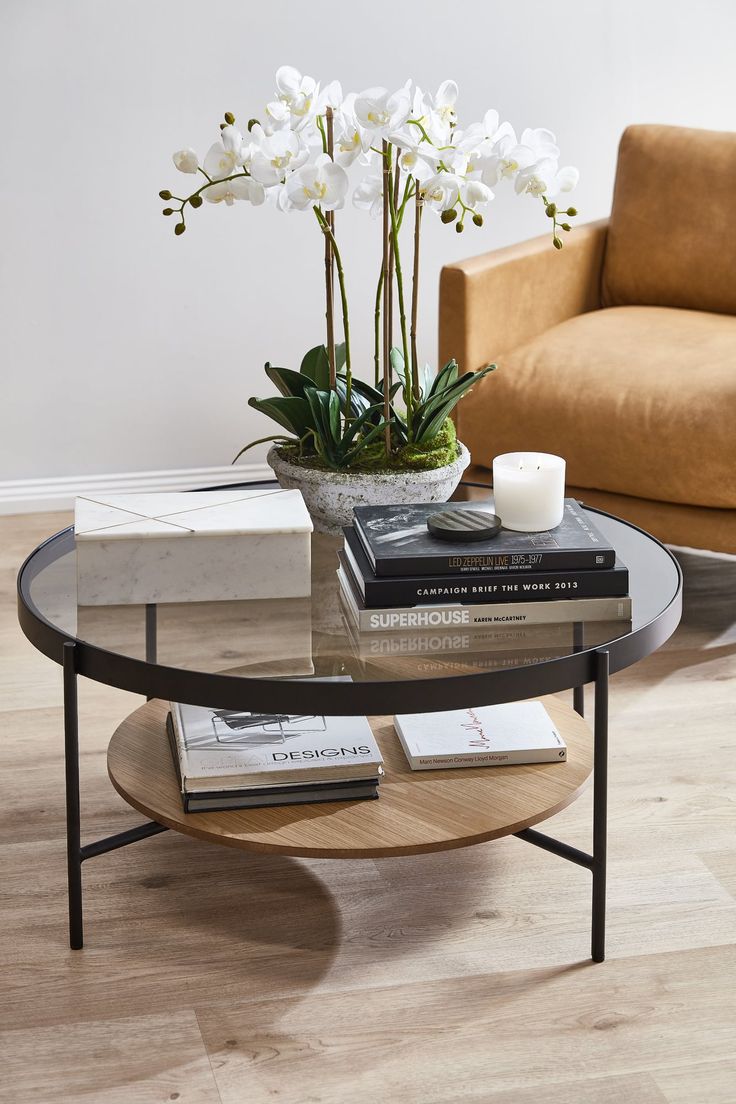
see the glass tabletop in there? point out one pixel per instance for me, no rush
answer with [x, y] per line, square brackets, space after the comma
[315, 638]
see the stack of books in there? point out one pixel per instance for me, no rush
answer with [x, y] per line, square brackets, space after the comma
[396, 577]
[228, 759]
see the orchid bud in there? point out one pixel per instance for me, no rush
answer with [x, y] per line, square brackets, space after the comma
[566, 226]
[229, 118]
[571, 211]
[251, 124]
[167, 211]
[179, 228]
[165, 194]
[477, 219]
[195, 201]
[448, 216]
[459, 228]
[551, 210]
[222, 126]
[557, 243]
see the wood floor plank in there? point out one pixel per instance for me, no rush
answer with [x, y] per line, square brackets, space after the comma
[504, 1031]
[711, 1082]
[141, 1060]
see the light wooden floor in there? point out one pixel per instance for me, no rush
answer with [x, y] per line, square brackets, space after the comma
[212, 976]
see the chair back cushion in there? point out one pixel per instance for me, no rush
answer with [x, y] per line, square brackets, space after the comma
[672, 235]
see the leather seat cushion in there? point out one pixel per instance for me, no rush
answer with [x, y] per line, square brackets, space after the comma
[639, 400]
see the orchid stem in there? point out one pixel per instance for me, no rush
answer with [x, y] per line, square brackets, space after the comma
[326, 229]
[402, 309]
[329, 271]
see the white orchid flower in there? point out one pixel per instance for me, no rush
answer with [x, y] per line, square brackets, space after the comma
[503, 161]
[436, 113]
[368, 196]
[225, 156]
[441, 191]
[351, 141]
[323, 183]
[296, 101]
[329, 96]
[474, 194]
[227, 191]
[537, 179]
[276, 155]
[380, 111]
[565, 180]
[416, 155]
[186, 160]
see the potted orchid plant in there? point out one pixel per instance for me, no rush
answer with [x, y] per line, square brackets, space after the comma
[344, 439]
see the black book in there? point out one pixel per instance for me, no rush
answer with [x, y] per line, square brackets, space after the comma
[397, 542]
[265, 796]
[380, 592]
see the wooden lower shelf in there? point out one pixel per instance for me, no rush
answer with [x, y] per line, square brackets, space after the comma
[418, 811]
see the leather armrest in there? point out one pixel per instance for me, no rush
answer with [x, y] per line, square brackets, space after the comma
[492, 303]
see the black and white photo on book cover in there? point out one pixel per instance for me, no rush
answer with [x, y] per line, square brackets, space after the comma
[229, 742]
[397, 537]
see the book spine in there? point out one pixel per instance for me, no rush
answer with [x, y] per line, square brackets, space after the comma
[171, 735]
[452, 616]
[488, 759]
[531, 587]
[570, 560]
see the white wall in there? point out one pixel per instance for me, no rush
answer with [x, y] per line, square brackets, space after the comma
[125, 349]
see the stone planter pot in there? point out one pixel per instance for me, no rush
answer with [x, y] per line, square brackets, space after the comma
[330, 495]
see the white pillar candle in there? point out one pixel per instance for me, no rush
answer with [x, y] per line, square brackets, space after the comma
[529, 490]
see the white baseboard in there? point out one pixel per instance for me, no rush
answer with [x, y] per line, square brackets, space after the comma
[28, 496]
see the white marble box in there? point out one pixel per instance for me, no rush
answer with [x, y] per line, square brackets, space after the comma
[192, 547]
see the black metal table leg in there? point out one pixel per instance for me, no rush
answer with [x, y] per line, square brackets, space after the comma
[578, 643]
[71, 764]
[151, 634]
[75, 853]
[600, 807]
[596, 862]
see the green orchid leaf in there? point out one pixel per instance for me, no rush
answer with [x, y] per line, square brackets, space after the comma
[445, 377]
[316, 367]
[287, 381]
[261, 441]
[290, 412]
[349, 457]
[366, 418]
[358, 401]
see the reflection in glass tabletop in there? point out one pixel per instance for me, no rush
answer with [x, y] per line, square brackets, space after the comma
[314, 638]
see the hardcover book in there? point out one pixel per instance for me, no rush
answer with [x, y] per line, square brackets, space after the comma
[379, 591]
[207, 801]
[449, 616]
[492, 735]
[538, 641]
[228, 750]
[397, 542]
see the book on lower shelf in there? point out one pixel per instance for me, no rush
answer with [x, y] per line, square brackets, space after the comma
[492, 735]
[235, 759]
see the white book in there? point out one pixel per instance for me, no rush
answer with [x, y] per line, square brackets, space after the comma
[490, 735]
[222, 749]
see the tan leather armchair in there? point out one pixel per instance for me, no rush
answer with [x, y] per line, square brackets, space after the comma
[619, 351]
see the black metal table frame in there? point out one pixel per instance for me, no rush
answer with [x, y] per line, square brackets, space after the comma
[147, 677]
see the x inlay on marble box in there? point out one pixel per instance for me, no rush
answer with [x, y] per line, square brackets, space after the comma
[192, 547]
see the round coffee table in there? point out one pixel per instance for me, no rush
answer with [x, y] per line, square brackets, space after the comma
[301, 656]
